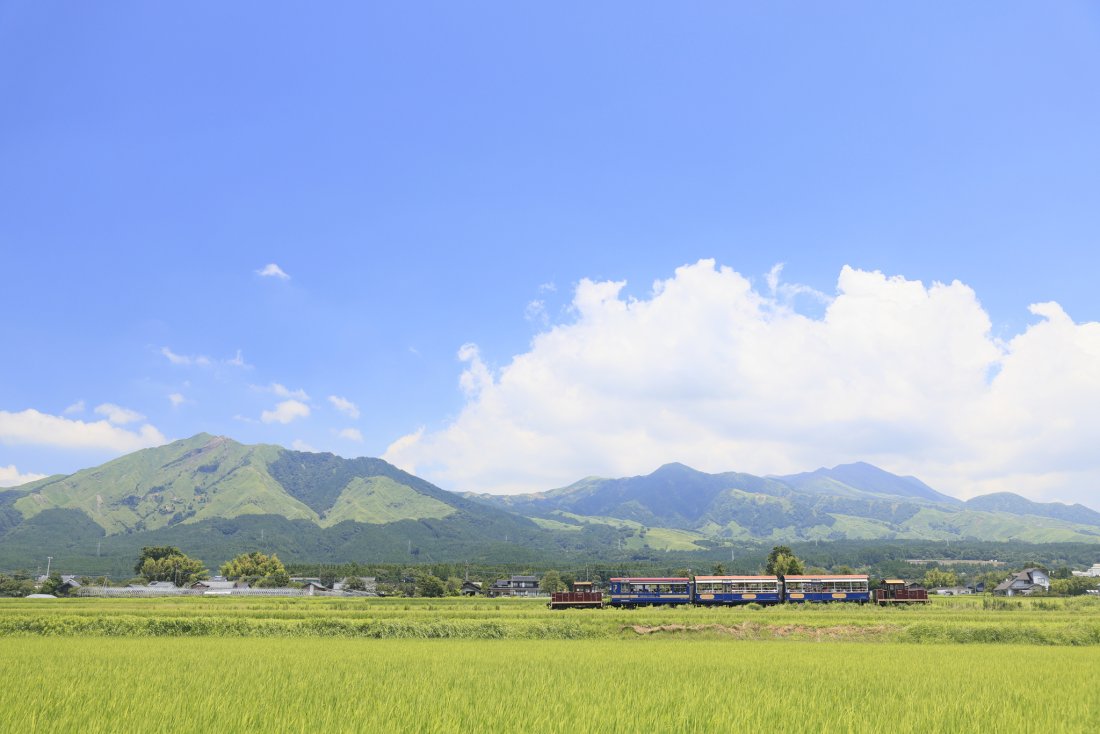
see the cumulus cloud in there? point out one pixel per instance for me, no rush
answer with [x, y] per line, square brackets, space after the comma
[30, 427]
[351, 434]
[345, 406]
[271, 270]
[10, 476]
[285, 412]
[77, 407]
[710, 371]
[118, 415]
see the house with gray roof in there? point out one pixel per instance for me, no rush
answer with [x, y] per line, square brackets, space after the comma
[1026, 582]
[515, 586]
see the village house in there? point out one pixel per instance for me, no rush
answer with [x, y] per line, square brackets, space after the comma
[1093, 572]
[1028, 581]
[470, 588]
[515, 586]
[954, 591]
[219, 584]
[369, 585]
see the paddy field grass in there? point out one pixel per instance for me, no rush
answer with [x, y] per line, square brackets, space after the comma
[232, 664]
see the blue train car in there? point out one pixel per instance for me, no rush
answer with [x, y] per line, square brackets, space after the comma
[737, 590]
[799, 589]
[636, 592]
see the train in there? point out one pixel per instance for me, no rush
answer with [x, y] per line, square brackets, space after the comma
[734, 590]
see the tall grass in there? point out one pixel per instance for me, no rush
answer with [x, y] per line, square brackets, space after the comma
[1051, 622]
[698, 685]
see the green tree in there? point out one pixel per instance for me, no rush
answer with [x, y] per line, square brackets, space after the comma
[935, 578]
[11, 586]
[783, 562]
[551, 582]
[175, 567]
[52, 585]
[718, 570]
[354, 583]
[257, 569]
[156, 553]
[990, 579]
[1074, 586]
[429, 585]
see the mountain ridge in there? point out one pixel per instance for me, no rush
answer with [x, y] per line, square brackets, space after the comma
[856, 500]
[217, 496]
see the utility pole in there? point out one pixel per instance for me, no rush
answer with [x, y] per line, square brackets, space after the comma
[49, 560]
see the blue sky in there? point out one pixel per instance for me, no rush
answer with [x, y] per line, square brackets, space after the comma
[444, 175]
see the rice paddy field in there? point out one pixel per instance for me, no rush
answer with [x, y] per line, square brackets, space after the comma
[246, 664]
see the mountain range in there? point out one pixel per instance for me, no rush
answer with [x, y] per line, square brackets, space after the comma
[851, 501]
[216, 497]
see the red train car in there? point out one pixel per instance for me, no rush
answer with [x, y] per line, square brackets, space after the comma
[895, 591]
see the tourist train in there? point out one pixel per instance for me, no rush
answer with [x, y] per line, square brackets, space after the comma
[733, 590]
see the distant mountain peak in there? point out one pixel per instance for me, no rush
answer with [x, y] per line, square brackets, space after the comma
[673, 469]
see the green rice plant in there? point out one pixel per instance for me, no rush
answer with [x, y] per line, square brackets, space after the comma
[441, 685]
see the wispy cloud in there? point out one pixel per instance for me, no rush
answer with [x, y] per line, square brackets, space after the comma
[185, 360]
[280, 390]
[536, 312]
[300, 445]
[351, 434]
[271, 270]
[345, 406]
[77, 407]
[238, 361]
[176, 399]
[202, 360]
[285, 412]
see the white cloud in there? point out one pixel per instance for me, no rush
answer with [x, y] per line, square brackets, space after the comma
[42, 429]
[345, 406]
[10, 476]
[285, 412]
[271, 270]
[118, 415]
[282, 391]
[536, 312]
[300, 445]
[708, 371]
[176, 399]
[238, 361]
[351, 434]
[77, 407]
[184, 360]
[201, 360]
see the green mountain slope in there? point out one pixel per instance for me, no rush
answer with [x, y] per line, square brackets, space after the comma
[215, 498]
[211, 493]
[853, 501]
